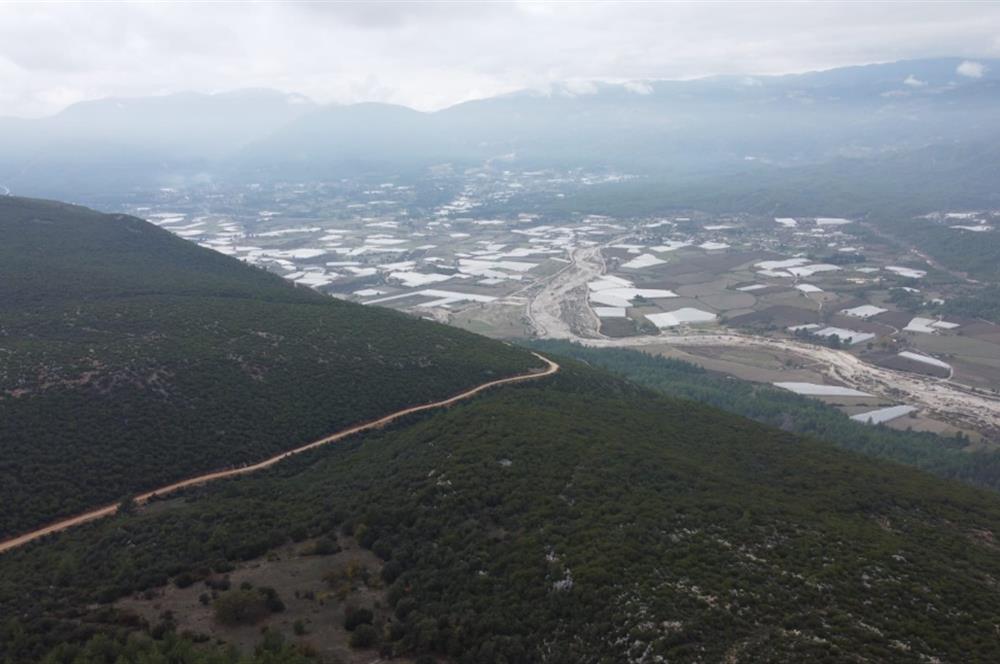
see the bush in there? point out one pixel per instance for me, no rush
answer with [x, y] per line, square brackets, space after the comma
[184, 579]
[404, 607]
[364, 636]
[218, 583]
[272, 641]
[223, 566]
[324, 546]
[272, 602]
[240, 607]
[354, 617]
[391, 571]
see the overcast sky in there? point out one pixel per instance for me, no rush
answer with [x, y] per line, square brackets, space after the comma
[429, 55]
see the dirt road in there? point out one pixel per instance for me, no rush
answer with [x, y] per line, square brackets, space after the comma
[101, 512]
[564, 295]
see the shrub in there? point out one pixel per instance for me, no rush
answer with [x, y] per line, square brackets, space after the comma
[354, 617]
[391, 571]
[364, 636]
[272, 602]
[184, 579]
[404, 607]
[240, 607]
[324, 546]
[218, 583]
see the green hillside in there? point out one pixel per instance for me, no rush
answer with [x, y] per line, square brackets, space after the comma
[579, 519]
[130, 358]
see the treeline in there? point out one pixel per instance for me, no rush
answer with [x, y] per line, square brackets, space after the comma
[942, 456]
[974, 254]
[982, 303]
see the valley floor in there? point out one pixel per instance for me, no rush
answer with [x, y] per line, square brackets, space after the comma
[559, 309]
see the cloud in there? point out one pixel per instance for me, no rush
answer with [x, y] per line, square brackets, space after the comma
[578, 88]
[432, 54]
[638, 87]
[914, 82]
[971, 69]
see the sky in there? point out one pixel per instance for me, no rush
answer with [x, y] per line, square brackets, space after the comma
[428, 55]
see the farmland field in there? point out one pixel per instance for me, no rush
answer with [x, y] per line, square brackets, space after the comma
[518, 274]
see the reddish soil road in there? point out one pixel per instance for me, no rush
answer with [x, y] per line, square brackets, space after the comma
[101, 512]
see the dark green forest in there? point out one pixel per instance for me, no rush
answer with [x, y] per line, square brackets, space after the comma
[582, 519]
[130, 358]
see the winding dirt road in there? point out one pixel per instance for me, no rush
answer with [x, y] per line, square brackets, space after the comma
[101, 512]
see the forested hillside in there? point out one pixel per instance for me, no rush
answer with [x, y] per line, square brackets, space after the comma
[130, 358]
[940, 455]
[578, 519]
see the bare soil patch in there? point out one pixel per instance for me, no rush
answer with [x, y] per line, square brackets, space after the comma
[315, 589]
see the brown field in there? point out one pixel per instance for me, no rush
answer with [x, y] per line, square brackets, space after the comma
[976, 373]
[712, 287]
[963, 346]
[713, 263]
[860, 325]
[499, 322]
[903, 364]
[618, 327]
[861, 404]
[921, 423]
[757, 365]
[727, 301]
[736, 313]
[896, 319]
[789, 298]
[779, 315]
[675, 281]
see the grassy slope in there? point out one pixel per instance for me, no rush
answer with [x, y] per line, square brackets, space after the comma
[687, 533]
[129, 358]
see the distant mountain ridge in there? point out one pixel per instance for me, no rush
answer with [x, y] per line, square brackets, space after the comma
[643, 127]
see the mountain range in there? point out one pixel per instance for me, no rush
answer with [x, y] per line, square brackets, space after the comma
[703, 127]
